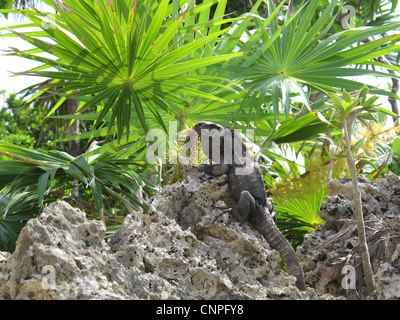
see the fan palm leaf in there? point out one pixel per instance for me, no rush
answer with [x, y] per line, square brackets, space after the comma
[303, 54]
[135, 55]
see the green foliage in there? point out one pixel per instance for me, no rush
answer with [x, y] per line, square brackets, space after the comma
[300, 53]
[350, 110]
[23, 122]
[298, 194]
[105, 184]
[49, 169]
[348, 105]
[131, 54]
[6, 4]
[297, 216]
[15, 210]
[20, 123]
[394, 165]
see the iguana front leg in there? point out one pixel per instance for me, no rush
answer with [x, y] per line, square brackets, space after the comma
[246, 204]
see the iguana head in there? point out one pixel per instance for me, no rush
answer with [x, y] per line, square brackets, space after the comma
[206, 125]
[211, 136]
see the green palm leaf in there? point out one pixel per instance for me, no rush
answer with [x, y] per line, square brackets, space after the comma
[47, 170]
[301, 54]
[127, 52]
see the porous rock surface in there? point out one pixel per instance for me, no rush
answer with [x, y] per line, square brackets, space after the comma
[175, 251]
[59, 255]
[324, 251]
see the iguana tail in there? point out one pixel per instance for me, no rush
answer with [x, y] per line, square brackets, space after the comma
[277, 241]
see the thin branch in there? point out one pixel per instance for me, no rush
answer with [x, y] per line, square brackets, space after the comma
[348, 122]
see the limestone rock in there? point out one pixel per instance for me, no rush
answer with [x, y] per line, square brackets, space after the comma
[59, 255]
[322, 263]
[174, 251]
[177, 251]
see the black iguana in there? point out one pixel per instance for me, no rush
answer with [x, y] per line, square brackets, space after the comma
[247, 188]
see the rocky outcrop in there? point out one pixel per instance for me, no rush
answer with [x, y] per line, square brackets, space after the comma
[59, 255]
[325, 252]
[175, 251]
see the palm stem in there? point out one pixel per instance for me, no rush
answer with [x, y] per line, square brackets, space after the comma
[357, 206]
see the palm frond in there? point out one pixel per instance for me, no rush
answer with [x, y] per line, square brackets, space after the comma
[127, 54]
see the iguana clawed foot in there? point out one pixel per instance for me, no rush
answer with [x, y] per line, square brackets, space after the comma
[249, 200]
[225, 209]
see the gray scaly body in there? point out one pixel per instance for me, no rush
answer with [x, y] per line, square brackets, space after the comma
[247, 188]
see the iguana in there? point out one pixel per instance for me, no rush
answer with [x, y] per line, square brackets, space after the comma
[247, 188]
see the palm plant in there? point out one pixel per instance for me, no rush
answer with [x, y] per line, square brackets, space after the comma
[34, 178]
[352, 109]
[297, 216]
[294, 59]
[302, 54]
[131, 54]
[298, 195]
[6, 4]
[15, 210]
[131, 63]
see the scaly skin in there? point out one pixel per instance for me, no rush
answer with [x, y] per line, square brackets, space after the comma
[248, 191]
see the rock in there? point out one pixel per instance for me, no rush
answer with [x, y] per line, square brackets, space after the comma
[177, 251]
[324, 252]
[388, 277]
[59, 255]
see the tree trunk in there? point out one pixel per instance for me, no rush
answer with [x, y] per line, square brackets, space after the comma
[395, 88]
[357, 207]
[74, 146]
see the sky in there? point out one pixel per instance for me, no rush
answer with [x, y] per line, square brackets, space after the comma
[10, 64]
